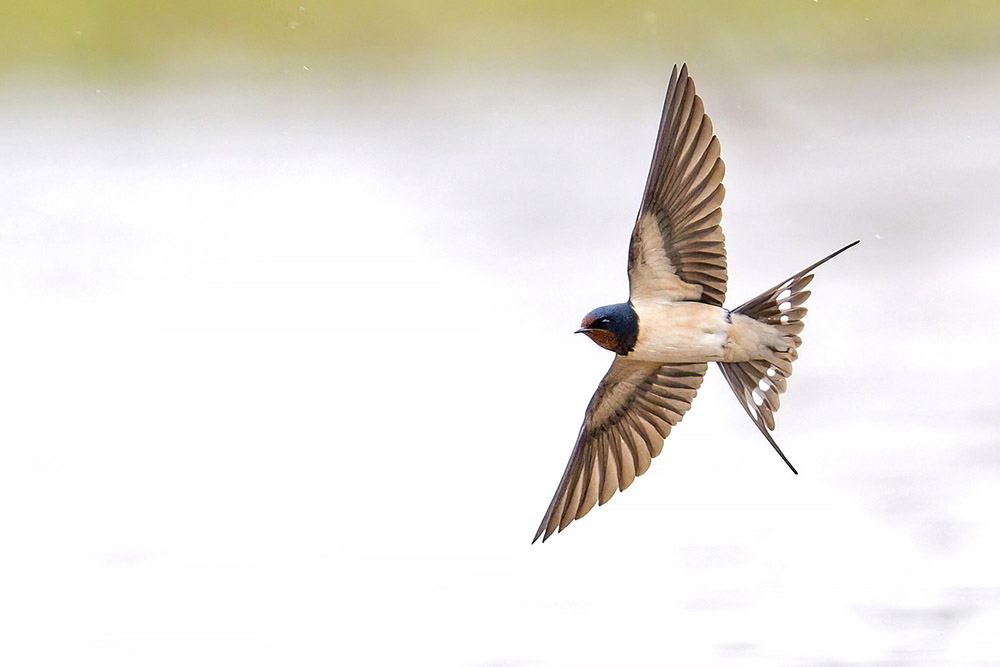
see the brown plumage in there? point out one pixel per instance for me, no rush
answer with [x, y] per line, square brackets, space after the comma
[673, 323]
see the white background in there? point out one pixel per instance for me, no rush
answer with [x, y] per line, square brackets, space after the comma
[288, 376]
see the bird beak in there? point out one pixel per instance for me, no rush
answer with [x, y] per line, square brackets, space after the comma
[582, 331]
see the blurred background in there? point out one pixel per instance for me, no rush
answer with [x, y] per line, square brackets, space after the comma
[288, 290]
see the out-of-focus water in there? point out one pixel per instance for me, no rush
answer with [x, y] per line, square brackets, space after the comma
[289, 376]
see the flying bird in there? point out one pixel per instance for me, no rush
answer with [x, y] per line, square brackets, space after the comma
[674, 322]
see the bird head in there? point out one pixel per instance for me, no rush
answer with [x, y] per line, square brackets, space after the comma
[614, 327]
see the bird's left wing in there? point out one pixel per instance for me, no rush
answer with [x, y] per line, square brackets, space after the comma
[627, 420]
[678, 250]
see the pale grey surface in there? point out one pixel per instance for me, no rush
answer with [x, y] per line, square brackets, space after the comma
[289, 376]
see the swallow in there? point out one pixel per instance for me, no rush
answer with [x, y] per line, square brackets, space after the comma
[674, 323]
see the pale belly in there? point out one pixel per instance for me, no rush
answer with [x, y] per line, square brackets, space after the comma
[680, 332]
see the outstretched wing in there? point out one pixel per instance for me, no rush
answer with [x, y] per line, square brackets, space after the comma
[628, 418]
[678, 250]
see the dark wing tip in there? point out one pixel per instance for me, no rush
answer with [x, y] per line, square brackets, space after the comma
[542, 532]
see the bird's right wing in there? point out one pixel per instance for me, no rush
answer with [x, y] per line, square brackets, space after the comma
[627, 420]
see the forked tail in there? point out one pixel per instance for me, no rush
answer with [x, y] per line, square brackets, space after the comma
[758, 383]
